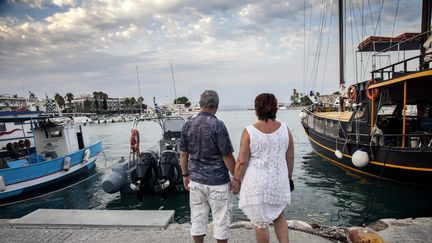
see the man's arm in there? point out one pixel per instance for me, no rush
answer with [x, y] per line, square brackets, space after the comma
[183, 164]
[229, 162]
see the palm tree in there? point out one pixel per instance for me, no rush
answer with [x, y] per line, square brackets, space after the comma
[59, 99]
[69, 97]
[126, 102]
[132, 102]
[96, 96]
[104, 98]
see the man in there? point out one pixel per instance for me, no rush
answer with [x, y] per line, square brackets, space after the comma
[206, 144]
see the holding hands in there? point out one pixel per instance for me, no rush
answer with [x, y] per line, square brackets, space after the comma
[235, 185]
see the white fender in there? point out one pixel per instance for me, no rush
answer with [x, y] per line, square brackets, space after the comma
[338, 154]
[66, 163]
[86, 156]
[302, 115]
[360, 158]
[2, 184]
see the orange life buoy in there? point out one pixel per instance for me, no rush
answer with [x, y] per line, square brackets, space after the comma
[135, 141]
[371, 94]
[352, 93]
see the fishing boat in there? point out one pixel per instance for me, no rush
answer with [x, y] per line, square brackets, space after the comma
[62, 150]
[381, 127]
[151, 170]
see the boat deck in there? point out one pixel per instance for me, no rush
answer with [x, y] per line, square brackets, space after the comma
[335, 115]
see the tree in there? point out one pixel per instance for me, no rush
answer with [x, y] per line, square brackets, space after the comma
[294, 97]
[126, 103]
[132, 101]
[69, 97]
[182, 100]
[87, 105]
[59, 99]
[141, 104]
[104, 98]
[96, 102]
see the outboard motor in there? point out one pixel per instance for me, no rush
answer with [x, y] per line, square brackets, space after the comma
[115, 180]
[147, 172]
[170, 170]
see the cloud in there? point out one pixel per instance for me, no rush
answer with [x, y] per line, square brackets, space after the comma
[82, 45]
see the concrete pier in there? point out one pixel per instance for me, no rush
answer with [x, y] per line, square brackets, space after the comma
[154, 226]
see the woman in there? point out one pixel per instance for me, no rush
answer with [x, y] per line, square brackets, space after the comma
[264, 170]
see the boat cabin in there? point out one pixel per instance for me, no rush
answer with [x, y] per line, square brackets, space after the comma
[58, 138]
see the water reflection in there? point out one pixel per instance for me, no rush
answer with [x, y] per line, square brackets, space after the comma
[354, 199]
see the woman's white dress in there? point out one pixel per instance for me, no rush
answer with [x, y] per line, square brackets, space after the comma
[265, 190]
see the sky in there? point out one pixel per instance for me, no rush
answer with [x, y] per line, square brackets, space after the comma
[238, 48]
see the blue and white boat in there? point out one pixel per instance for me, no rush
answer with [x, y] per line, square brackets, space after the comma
[61, 150]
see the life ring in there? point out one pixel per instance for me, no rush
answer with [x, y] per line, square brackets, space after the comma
[352, 93]
[135, 141]
[371, 94]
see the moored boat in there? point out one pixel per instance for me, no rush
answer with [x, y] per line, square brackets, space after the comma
[386, 130]
[149, 171]
[62, 150]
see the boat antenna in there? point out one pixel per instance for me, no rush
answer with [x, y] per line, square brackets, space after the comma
[139, 90]
[175, 92]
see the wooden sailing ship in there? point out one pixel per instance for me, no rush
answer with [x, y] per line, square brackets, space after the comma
[385, 131]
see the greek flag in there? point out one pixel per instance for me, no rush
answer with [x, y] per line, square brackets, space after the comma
[50, 106]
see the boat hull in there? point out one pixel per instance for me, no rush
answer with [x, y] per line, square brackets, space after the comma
[389, 164]
[44, 174]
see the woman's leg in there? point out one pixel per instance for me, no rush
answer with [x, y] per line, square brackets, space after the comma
[262, 235]
[281, 228]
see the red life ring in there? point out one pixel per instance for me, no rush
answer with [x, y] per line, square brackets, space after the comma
[371, 94]
[135, 141]
[352, 93]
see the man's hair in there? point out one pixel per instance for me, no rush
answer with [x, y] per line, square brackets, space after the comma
[266, 106]
[209, 100]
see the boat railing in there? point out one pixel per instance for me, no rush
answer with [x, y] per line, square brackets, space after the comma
[390, 71]
[415, 140]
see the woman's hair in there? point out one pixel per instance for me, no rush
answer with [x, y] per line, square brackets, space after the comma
[209, 99]
[266, 106]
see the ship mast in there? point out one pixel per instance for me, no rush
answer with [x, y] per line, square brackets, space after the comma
[341, 55]
[425, 30]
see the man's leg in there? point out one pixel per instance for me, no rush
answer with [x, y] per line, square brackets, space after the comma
[220, 200]
[281, 228]
[199, 211]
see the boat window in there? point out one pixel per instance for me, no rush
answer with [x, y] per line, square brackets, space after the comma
[55, 134]
[386, 110]
[2, 127]
[411, 110]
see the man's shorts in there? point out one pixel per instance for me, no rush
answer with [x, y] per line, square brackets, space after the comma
[218, 199]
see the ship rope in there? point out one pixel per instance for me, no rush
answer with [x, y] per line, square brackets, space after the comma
[63, 188]
[333, 233]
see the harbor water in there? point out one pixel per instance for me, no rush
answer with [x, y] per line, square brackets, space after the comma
[324, 193]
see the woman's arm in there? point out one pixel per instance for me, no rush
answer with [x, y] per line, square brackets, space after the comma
[290, 155]
[242, 162]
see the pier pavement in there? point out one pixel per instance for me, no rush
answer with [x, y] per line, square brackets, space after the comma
[144, 226]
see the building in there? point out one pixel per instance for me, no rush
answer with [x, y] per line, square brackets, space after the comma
[86, 103]
[12, 102]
